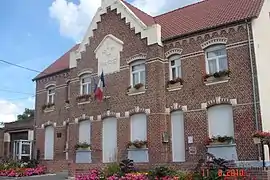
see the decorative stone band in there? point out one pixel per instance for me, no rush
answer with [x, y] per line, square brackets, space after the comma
[175, 107]
[173, 51]
[218, 100]
[210, 42]
[137, 110]
[48, 123]
[141, 56]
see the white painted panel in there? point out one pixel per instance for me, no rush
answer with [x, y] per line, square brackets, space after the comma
[109, 136]
[138, 155]
[224, 152]
[178, 136]
[138, 127]
[49, 143]
[85, 131]
[220, 120]
[31, 135]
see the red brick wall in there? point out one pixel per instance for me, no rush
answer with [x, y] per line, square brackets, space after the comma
[156, 98]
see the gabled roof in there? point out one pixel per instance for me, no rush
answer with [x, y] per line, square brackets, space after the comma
[59, 65]
[189, 19]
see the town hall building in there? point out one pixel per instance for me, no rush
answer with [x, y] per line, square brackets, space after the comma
[174, 85]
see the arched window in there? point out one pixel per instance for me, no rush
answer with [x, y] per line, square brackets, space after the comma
[137, 73]
[50, 94]
[85, 81]
[216, 59]
[175, 67]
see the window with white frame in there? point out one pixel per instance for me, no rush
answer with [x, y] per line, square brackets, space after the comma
[138, 131]
[50, 94]
[85, 84]
[137, 73]
[175, 67]
[220, 123]
[85, 131]
[216, 59]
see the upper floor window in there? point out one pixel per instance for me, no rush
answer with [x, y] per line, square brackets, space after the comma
[138, 73]
[85, 84]
[50, 94]
[216, 59]
[175, 67]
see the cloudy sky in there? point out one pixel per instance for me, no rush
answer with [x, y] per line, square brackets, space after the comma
[34, 33]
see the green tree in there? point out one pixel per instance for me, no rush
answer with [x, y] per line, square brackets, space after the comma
[28, 113]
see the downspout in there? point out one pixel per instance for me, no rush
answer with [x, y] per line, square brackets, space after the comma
[253, 81]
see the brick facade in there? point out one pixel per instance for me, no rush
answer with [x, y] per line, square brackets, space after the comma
[156, 97]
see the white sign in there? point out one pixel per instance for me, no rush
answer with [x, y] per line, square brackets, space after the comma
[190, 139]
[108, 54]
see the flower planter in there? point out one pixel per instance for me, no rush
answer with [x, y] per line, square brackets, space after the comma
[215, 79]
[134, 147]
[134, 90]
[83, 149]
[174, 86]
[256, 140]
[220, 143]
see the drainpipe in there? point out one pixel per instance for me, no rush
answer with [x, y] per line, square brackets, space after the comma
[253, 81]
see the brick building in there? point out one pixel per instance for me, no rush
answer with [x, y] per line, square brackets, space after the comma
[172, 80]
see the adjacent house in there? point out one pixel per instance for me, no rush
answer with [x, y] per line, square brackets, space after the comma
[171, 82]
[17, 140]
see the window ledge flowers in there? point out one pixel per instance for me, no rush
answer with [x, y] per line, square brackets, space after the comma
[84, 98]
[137, 144]
[83, 146]
[48, 107]
[175, 84]
[220, 140]
[259, 136]
[136, 89]
[218, 76]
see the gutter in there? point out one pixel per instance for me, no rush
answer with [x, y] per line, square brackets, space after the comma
[248, 22]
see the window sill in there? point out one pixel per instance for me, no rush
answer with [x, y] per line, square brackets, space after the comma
[175, 87]
[67, 105]
[83, 102]
[47, 110]
[212, 80]
[133, 91]
[137, 149]
[220, 145]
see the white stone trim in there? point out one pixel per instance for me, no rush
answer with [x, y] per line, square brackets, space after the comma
[233, 102]
[167, 111]
[213, 41]
[137, 57]
[50, 84]
[152, 33]
[204, 106]
[127, 114]
[42, 126]
[106, 37]
[173, 51]
[99, 117]
[91, 118]
[118, 115]
[85, 71]
[76, 120]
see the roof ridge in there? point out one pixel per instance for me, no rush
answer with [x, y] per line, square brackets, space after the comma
[183, 7]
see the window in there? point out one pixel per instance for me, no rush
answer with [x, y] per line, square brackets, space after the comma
[85, 84]
[137, 73]
[175, 67]
[216, 59]
[138, 131]
[178, 136]
[49, 143]
[85, 131]
[109, 140]
[220, 123]
[50, 94]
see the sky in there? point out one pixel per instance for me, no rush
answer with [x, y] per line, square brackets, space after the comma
[35, 33]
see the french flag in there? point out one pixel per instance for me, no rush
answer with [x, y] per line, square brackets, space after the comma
[99, 88]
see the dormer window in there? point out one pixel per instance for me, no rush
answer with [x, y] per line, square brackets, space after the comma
[85, 84]
[50, 95]
[216, 59]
